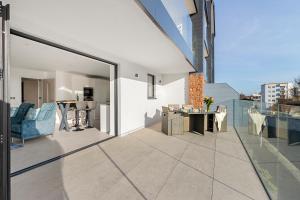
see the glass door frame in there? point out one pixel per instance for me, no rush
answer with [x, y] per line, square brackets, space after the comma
[115, 74]
[4, 104]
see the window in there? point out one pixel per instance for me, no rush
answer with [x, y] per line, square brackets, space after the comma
[151, 86]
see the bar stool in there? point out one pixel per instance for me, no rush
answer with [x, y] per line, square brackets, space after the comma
[79, 106]
[91, 105]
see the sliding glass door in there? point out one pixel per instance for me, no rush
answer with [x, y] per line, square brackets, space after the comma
[4, 105]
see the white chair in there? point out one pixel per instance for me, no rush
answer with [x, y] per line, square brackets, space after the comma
[220, 117]
[91, 105]
[79, 106]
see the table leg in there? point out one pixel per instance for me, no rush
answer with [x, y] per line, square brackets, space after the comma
[197, 124]
[64, 117]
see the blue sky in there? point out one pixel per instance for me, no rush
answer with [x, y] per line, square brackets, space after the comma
[257, 41]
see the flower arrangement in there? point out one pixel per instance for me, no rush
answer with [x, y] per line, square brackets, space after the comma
[208, 101]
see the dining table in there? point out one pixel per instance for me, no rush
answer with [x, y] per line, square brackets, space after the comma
[65, 106]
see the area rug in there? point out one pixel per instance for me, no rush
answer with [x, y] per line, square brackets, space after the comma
[15, 146]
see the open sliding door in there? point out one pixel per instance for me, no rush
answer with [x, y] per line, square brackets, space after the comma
[4, 105]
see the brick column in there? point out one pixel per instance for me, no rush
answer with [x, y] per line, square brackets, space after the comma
[196, 89]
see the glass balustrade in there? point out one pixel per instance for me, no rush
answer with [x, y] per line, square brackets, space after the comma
[180, 16]
[271, 137]
[173, 18]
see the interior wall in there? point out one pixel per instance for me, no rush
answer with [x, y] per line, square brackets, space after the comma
[68, 85]
[31, 91]
[16, 75]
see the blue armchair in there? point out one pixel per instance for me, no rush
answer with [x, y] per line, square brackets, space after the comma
[39, 124]
[18, 115]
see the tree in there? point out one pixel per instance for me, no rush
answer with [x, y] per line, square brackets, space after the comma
[296, 88]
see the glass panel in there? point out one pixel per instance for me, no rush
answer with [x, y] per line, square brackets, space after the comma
[164, 14]
[66, 105]
[271, 136]
[181, 18]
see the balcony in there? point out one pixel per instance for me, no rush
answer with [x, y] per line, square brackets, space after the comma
[172, 17]
[147, 164]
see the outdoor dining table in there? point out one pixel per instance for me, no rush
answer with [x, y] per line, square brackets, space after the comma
[201, 122]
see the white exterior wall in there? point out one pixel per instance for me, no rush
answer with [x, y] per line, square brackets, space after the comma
[135, 109]
[176, 89]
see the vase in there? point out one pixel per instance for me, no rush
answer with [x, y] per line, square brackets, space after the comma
[208, 108]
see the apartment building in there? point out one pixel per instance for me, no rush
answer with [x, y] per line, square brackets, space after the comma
[256, 96]
[203, 37]
[271, 92]
[210, 39]
[252, 97]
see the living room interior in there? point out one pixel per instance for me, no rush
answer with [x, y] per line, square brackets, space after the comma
[63, 100]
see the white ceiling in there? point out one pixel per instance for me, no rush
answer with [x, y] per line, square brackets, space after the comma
[32, 55]
[109, 29]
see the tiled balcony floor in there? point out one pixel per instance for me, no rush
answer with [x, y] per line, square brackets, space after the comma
[148, 165]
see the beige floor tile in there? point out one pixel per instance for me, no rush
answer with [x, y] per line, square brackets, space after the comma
[229, 136]
[239, 175]
[127, 152]
[69, 177]
[186, 183]
[122, 190]
[83, 160]
[200, 158]
[43, 148]
[187, 137]
[231, 148]
[93, 182]
[42, 183]
[208, 140]
[152, 173]
[222, 192]
[167, 144]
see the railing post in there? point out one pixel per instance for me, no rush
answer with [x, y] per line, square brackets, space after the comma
[233, 112]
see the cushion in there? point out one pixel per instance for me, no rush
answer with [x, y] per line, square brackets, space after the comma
[13, 111]
[32, 114]
[46, 111]
[22, 111]
[42, 114]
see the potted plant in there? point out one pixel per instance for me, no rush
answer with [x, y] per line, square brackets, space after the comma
[208, 101]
